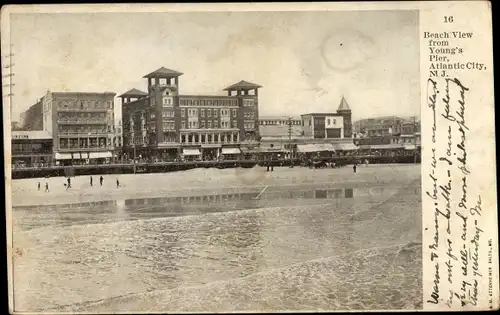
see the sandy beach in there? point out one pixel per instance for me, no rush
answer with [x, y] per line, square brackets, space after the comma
[191, 182]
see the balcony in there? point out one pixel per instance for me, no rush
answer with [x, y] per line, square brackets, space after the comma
[86, 110]
[83, 134]
[89, 149]
[82, 121]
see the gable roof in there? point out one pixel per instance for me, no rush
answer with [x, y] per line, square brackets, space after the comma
[163, 73]
[243, 85]
[343, 105]
[134, 93]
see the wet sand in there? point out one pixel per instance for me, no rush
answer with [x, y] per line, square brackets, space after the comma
[192, 182]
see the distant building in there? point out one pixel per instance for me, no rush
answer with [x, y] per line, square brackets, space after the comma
[329, 125]
[164, 123]
[387, 125]
[278, 126]
[15, 125]
[32, 118]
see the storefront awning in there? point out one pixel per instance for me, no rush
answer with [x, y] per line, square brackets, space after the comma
[63, 156]
[346, 147]
[319, 147]
[386, 146]
[190, 152]
[231, 151]
[100, 155]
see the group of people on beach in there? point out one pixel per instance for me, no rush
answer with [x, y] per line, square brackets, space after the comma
[68, 183]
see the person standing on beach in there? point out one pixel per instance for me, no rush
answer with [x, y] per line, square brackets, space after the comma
[46, 187]
[354, 167]
[38, 186]
[91, 181]
[117, 183]
[101, 179]
[69, 182]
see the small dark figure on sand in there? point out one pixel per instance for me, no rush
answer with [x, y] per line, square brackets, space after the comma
[354, 168]
[69, 182]
[38, 186]
[46, 187]
[100, 180]
[117, 183]
[91, 181]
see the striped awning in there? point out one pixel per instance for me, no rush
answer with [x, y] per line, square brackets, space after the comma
[230, 151]
[100, 155]
[63, 156]
[319, 147]
[190, 152]
[346, 147]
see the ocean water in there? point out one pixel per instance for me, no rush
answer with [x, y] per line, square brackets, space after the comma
[306, 247]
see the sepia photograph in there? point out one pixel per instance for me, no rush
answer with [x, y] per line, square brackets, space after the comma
[214, 161]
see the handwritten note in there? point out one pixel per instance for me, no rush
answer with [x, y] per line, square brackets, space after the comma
[457, 251]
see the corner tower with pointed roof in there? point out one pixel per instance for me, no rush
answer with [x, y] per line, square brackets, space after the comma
[345, 111]
[248, 115]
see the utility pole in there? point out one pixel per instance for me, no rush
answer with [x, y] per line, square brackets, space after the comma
[289, 122]
[415, 138]
[10, 74]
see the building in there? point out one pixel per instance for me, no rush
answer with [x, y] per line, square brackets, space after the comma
[278, 126]
[387, 125]
[16, 125]
[32, 118]
[81, 126]
[31, 148]
[329, 125]
[163, 123]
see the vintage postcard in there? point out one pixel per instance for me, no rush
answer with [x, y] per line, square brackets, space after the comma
[271, 157]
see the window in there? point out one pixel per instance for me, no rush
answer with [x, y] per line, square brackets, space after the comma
[209, 124]
[183, 112]
[328, 121]
[235, 124]
[215, 112]
[203, 112]
[183, 125]
[202, 124]
[334, 121]
[153, 115]
[216, 124]
[209, 113]
[210, 102]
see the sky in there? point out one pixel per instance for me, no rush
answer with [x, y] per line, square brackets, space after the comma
[305, 61]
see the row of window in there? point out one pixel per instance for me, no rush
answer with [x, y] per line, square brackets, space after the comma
[193, 112]
[223, 137]
[75, 116]
[83, 143]
[249, 102]
[85, 129]
[249, 125]
[84, 104]
[279, 122]
[194, 102]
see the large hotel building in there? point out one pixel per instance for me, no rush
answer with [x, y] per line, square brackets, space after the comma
[67, 128]
[164, 123]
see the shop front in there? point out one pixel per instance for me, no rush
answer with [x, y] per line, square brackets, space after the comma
[210, 152]
[230, 154]
[191, 154]
[315, 151]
